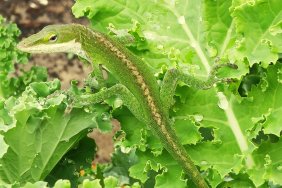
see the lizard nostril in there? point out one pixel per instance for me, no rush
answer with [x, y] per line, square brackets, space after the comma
[21, 45]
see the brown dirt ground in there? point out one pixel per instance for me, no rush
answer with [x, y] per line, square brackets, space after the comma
[31, 16]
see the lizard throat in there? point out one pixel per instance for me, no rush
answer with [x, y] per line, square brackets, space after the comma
[72, 46]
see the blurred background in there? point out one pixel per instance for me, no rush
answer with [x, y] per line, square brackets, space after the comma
[31, 16]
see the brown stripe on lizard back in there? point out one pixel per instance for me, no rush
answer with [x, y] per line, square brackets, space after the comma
[145, 89]
[137, 75]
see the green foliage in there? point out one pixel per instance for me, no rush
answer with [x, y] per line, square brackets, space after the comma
[39, 133]
[36, 130]
[223, 128]
[232, 132]
[263, 17]
[75, 161]
[9, 55]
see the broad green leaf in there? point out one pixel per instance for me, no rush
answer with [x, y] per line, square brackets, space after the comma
[78, 158]
[141, 169]
[241, 180]
[89, 184]
[191, 34]
[39, 184]
[62, 184]
[164, 24]
[133, 129]
[9, 55]
[170, 175]
[268, 164]
[3, 145]
[39, 135]
[111, 182]
[121, 162]
[220, 27]
[227, 152]
[259, 23]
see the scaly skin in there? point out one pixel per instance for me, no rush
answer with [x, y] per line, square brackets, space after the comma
[129, 70]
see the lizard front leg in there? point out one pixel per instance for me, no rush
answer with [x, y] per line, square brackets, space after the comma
[117, 90]
[173, 76]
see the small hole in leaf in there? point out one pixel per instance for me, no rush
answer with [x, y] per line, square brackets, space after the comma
[261, 137]
[207, 133]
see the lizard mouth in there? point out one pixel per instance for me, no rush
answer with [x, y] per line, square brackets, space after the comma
[29, 45]
[22, 46]
[25, 47]
[34, 47]
[32, 44]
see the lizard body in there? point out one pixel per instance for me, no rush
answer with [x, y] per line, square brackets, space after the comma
[139, 88]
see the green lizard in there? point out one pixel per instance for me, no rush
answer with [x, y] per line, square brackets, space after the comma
[137, 85]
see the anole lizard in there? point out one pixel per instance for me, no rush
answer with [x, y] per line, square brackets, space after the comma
[137, 85]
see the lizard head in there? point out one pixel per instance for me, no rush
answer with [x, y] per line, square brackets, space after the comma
[52, 38]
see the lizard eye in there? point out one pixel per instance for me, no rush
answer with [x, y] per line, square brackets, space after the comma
[53, 38]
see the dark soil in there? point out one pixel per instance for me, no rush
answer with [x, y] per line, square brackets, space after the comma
[31, 16]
